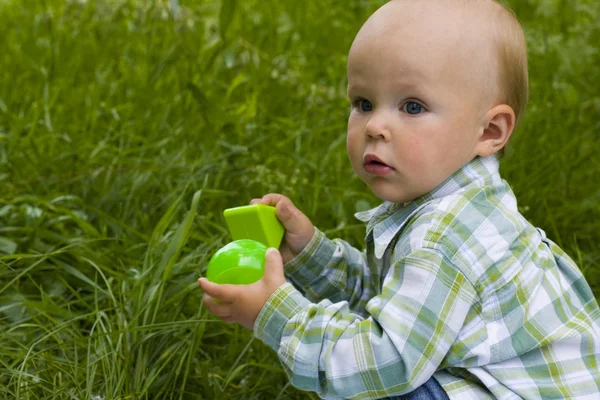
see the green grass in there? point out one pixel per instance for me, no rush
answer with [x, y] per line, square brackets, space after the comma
[124, 133]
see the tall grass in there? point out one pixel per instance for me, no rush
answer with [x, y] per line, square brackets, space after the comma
[124, 133]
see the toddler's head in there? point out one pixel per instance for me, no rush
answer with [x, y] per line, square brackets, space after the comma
[433, 84]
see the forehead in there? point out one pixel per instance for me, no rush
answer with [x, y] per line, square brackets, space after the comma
[403, 41]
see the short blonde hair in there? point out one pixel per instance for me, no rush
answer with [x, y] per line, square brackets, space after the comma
[511, 49]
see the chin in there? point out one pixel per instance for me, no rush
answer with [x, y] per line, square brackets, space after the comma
[391, 194]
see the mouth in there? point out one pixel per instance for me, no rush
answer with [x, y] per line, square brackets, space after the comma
[375, 166]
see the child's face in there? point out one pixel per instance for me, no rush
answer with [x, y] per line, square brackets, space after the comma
[418, 99]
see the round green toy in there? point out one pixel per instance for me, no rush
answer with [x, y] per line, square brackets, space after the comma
[241, 262]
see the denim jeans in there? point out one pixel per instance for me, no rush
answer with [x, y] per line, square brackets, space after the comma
[430, 390]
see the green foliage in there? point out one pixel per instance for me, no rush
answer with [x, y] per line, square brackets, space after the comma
[124, 133]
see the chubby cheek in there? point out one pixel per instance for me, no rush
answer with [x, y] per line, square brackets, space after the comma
[411, 153]
[354, 146]
[419, 163]
[434, 159]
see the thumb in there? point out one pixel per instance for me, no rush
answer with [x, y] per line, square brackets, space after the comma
[292, 219]
[273, 265]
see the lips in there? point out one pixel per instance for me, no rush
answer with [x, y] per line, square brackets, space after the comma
[372, 158]
[375, 166]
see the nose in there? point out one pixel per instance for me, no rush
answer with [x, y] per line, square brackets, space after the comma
[377, 127]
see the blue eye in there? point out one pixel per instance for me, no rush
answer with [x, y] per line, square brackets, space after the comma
[365, 105]
[413, 108]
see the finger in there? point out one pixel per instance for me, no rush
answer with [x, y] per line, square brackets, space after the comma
[293, 220]
[273, 261]
[226, 293]
[285, 210]
[255, 201]
[216, 308]
[272, 199]
[284, 207]
[274, 267]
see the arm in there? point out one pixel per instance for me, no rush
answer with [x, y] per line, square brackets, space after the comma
[333, 270]
[319, 267]
[413, 323]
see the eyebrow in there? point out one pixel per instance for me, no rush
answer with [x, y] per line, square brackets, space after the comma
[397, 85]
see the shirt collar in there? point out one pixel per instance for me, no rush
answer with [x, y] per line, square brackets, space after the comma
[386, 220]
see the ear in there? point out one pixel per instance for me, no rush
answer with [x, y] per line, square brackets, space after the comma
[498, 125]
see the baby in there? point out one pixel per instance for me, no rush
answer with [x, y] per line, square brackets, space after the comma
[456, 295]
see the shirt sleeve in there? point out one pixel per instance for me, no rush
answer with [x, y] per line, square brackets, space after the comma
[326, 348]
[334, 270]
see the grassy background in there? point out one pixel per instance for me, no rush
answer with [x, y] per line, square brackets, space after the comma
[126, 127]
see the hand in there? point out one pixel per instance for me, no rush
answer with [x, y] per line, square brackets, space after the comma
[298, 228]
[242, 303]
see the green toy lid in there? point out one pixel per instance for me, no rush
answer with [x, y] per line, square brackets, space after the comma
[257, 222]
[241, 262]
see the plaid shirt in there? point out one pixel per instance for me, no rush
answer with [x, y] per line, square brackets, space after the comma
[455, 285]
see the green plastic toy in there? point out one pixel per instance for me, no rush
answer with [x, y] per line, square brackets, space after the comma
[254, 229]
[240, 262]
[257, 222]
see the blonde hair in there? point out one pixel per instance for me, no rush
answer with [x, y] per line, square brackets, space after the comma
[511, 49]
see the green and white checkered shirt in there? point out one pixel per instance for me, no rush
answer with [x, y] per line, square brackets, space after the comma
[455, 285]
